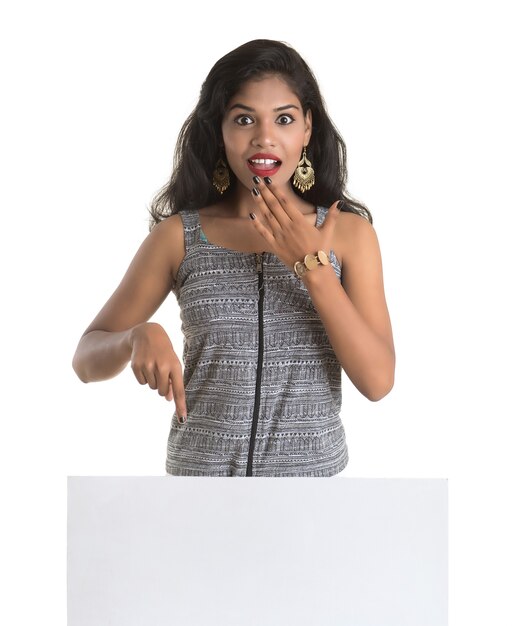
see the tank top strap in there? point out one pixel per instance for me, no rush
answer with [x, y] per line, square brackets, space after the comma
[191, 227]
[321, 214]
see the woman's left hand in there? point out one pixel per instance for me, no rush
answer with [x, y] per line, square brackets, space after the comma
[285, 228]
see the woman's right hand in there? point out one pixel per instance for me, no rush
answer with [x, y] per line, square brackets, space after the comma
[155, 363]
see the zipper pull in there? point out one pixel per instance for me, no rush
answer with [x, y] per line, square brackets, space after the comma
[259, 263]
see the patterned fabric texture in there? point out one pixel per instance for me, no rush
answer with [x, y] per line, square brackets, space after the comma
[262, 382]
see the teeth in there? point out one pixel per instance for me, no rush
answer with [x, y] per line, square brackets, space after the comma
[263, 161]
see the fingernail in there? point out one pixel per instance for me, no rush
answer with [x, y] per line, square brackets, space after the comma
[267, 180]
[341, 205]
[182, 419]
[256, 191]
[257, 180]
[252, 216]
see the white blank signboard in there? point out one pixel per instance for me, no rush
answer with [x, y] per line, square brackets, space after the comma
[154, 551]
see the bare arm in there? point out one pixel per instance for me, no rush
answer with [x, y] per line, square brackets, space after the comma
[121, 332]
[354, 312]
[102, 354]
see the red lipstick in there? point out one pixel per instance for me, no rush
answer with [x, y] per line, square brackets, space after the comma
[264, 164]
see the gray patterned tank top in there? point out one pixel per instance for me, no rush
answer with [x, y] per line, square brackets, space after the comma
[262, 382]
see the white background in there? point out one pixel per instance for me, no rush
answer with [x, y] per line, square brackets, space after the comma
[427, 98]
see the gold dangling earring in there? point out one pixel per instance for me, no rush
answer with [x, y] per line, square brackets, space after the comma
[221, 176]
[304, 175]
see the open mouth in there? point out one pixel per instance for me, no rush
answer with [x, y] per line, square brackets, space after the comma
[263, 167]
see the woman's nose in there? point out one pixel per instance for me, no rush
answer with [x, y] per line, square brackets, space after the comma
[264, 134]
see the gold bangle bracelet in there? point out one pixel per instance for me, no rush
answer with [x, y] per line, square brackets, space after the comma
[310, 262]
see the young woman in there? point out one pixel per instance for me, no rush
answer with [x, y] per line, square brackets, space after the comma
[278, 276]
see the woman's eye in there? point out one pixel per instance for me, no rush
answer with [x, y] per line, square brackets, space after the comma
[244, 120]
[286, 119]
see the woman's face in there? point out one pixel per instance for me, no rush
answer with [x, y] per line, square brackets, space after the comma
[263, 123]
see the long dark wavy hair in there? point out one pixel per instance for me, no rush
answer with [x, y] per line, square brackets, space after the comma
[200, 142]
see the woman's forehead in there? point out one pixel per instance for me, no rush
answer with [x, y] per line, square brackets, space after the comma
[267, 90]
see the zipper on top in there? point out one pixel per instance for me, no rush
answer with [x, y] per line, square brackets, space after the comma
[257, 397]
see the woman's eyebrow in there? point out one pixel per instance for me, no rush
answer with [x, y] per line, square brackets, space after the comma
[244, 106]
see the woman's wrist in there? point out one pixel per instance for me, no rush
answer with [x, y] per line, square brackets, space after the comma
[310, 263]
[317, 277]
[139, 328]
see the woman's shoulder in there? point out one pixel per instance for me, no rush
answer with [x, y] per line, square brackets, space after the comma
[168, 227]
[168, 235]
[353, 226]
[353, 234]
